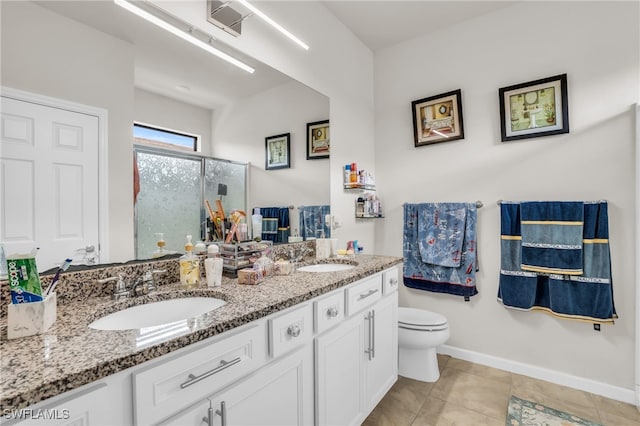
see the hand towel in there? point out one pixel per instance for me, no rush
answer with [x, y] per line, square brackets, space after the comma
[441, 229]
[552, 236]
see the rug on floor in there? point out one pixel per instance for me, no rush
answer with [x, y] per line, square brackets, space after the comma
[526, 413]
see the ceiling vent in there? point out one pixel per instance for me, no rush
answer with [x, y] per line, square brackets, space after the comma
[220, 14]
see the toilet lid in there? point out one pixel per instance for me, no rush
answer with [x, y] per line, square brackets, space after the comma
[413, 317]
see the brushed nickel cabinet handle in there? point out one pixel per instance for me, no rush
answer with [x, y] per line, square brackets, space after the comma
[367, 294]
[223, 365]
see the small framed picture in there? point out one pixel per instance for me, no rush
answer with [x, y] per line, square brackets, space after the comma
[318, 140]
[534, 109]
[277, 152]
[438, 118]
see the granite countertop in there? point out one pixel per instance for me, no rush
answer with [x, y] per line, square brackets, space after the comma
[70, 354]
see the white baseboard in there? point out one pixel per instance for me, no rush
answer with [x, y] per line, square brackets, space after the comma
[588, 385]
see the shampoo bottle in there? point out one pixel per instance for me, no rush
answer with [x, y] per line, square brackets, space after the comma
[189, 265]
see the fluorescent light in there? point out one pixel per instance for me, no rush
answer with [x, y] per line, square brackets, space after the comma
[182, 34]
[273, 23]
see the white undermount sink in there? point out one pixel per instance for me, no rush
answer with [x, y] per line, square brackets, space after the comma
[157, 313]
[326, 267]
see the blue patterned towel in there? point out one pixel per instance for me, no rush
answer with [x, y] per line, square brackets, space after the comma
[552, 236]
[587, 297]
[441, 233]
[460, 281]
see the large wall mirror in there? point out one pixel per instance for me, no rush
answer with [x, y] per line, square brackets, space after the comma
[180, 87]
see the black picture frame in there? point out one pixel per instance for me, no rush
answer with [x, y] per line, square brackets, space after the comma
[438, 119]
[318, 140]
[277, 152]
[536, 108]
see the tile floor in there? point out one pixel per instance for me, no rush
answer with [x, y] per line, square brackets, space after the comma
[469, 394]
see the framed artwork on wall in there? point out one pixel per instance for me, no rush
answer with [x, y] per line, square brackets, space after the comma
[534, 109]
[318, 145]
[438, 118]
[277, 152]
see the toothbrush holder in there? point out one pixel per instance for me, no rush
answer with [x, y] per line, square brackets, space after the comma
[28, 319]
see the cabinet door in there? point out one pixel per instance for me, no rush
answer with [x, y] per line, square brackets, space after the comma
[381, 371]
[339, 369]
[279, 394]
[92, 406]
[197, 415]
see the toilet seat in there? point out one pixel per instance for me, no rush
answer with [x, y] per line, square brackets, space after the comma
[421, 320]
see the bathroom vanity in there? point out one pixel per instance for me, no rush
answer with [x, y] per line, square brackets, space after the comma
[307, 348]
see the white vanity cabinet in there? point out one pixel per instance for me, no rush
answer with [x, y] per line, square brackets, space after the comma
[356, 362]
[326, 361]
[278, 394]
[162, 389]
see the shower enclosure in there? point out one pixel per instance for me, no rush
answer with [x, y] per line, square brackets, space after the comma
[173, 190]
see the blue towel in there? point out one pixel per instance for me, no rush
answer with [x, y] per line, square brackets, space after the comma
[312, 221]
[460, 281]
[441, 233]
[552, 236]
[587, 297]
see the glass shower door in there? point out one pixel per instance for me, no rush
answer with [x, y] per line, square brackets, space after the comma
[169, 201]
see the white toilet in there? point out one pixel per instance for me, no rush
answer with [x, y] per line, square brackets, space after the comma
[419, 333]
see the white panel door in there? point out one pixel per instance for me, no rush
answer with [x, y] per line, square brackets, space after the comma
[48, 180]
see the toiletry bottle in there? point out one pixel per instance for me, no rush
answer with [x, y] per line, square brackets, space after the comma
[347, 174]
[354, 173]
[189, 265]
[160, 251]
[213, 266]
[256, 222]
[200, 247]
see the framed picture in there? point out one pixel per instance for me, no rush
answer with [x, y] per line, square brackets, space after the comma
[438, 118]
[318, 140]
[277, 152]
[534, 109]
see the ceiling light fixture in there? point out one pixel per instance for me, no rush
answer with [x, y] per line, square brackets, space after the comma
[182, 34]
[273, 23]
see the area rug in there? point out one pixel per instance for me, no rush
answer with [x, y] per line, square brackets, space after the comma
[527, 413]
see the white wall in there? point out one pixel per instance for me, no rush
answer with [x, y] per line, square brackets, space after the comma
[337, 65]
[158, 110]
[596, 44]
[47, 54]
[239, 134]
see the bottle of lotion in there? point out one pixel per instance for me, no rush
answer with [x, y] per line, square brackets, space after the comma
[189, 265]
[213, 266]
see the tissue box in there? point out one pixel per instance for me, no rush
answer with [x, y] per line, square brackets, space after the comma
[27, 319]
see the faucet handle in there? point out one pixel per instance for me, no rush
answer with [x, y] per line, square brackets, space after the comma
[120, 289]
[148, 277]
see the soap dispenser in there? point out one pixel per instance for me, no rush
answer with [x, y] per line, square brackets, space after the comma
[189, 265]
[160, 251]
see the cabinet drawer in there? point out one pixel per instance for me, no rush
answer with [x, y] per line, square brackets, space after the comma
[329, 311]
[290, 329]
[390, 281]
[363, 294]
[165, 388]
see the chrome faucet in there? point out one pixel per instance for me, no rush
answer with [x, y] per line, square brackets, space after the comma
[141, 285]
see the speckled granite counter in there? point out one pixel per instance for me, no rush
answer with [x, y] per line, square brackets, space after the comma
[70, 354]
